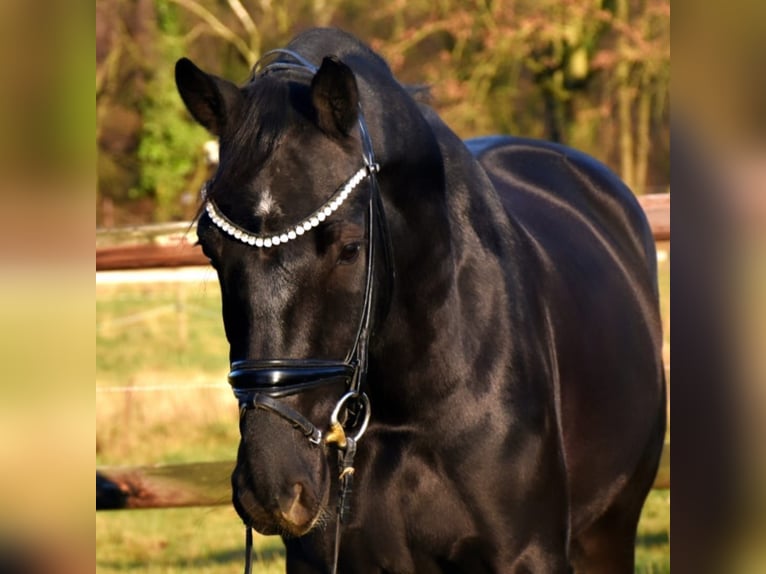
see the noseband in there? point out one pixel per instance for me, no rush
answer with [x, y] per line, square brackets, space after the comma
[259, 384]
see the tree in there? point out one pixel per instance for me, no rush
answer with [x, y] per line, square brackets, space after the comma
[593, 74]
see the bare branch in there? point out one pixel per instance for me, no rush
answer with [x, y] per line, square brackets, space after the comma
[220, 29]
[243, 16]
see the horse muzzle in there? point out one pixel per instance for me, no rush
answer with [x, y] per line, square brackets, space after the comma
[292, 509]
[281, 485]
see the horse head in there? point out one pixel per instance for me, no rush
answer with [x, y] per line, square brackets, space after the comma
[286, 224]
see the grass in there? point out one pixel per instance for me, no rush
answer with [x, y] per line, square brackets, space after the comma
[160, 350]
[653, 541]
[146, 331]
[170, 336]
[189, 540]
[211, 541]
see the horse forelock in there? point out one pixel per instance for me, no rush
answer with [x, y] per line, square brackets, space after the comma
[256, 132]
[270, 106]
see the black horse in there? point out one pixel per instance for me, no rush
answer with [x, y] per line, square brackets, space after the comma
[476, 321]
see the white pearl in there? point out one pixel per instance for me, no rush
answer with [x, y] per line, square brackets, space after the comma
[324, 212]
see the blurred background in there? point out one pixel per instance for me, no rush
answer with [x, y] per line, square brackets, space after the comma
[594, 74]
[591, 74]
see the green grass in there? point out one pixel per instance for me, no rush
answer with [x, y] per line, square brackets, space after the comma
[171, 335]
[211, 541]
[145, 331]
[189, 540]
[168, 336]
[653, 541]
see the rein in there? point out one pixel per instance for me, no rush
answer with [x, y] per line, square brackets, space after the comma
[259, 384]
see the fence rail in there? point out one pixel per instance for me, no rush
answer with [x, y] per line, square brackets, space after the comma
[176, 250]
[203, 484]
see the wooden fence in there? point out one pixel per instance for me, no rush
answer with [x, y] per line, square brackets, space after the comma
[207, 484]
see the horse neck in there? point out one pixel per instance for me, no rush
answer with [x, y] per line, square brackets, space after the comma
[444, 266]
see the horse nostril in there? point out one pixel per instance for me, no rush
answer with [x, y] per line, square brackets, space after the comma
[293, 509]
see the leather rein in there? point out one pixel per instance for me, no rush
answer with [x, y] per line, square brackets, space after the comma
[259, 384]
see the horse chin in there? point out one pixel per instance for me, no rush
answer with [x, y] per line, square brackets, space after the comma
[253, 516]
[264, 528]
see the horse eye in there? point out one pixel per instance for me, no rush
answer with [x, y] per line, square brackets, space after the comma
[349, 253]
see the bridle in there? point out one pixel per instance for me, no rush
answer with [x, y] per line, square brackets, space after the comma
[259, 384]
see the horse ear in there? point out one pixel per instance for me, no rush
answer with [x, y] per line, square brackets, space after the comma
[335, 97]
[211, 100]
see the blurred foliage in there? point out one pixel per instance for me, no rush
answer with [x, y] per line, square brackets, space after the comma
[593, 74]
[169, 148]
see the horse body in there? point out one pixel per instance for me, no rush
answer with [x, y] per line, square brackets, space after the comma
[601, 301]
[514, 374]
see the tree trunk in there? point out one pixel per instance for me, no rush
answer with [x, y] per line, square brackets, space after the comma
[643, 117]
[624, 98]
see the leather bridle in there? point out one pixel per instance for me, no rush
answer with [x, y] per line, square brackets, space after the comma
[260, 384]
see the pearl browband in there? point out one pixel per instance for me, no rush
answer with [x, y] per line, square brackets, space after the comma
[337, 199]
